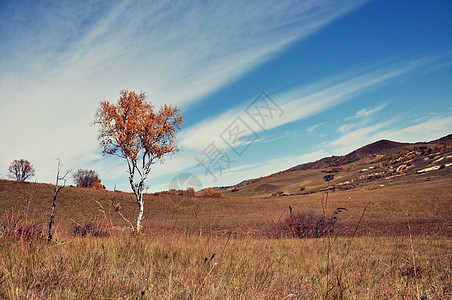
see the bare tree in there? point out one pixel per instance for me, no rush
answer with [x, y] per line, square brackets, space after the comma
[21, 170]
[58, 188]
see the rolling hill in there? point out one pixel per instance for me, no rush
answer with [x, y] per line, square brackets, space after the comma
[392, 201]
[376, 165]
[397, 178]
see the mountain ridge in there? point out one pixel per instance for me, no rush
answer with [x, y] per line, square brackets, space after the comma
[356, 169]
[380, 147]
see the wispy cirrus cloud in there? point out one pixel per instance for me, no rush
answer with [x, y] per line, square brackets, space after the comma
[361, 118]
[177, 52]
[243, 170]
[295, 105]
[365, 112]
[60, 59]
[395, 129]
[301, 103]
[314, 127]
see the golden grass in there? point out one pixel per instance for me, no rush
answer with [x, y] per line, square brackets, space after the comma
[179, 266]
[205, 248]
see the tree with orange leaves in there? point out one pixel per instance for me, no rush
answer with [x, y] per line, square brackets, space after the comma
[132, 130]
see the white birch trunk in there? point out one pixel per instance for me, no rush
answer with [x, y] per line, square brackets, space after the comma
[140, 203]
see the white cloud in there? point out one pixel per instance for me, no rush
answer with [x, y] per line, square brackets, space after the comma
[305, 102]
[345, 128]
[426, 131]
[297, 104]
[57, 67]
[361, 117]
[312, 128]
[291, 161]
[367, 112]
[357, 138]
[431, 129]
[242, 172]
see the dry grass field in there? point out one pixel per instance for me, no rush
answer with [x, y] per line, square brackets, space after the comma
[180, 266]
[396, 243]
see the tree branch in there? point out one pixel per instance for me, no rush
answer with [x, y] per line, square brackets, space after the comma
[57, 190]
[117, 208]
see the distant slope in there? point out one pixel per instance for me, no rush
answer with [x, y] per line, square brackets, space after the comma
[319, 164]
[444, 140]
[382, 147]
[356, 169]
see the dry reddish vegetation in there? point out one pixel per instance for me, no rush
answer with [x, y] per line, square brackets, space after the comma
[305, 225]
[199, 247]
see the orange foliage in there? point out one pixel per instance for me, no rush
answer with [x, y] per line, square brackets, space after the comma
[98, 185]
[212, 193]
[132, 130]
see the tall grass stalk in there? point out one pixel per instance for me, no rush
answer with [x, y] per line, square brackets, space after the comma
[413, 255]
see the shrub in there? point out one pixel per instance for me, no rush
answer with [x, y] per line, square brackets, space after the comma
[191, 192]
[328, 177]
[92, 229]
[304, 225]
[86, 178]
[173, 192]
[99, 186]
[15, 227]
[277, 194]
[212, 193]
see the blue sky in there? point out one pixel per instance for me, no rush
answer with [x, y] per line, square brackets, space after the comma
[262, 85]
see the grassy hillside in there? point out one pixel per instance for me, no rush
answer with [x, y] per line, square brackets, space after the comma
[428, 204]
[380, 164]
[204, 248]
[395, 241]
